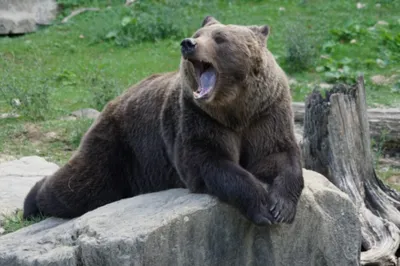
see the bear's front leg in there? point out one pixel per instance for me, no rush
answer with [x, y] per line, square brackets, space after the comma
[210, 171]
[286, 186]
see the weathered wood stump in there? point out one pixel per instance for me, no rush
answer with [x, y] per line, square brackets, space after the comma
[382, 122]
[337, 144]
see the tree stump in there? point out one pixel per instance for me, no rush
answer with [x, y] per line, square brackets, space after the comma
[337, 144]
[382, 121]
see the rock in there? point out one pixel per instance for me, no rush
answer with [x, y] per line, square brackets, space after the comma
[16, 22]
[22, 16]
[380, 62]
[129, 2]
[175, 227]
[395, 180]
[8, 115]
[51, 136]
[382, 80]
[382, 23]
[379, 80]
[86, 113]
[360, 5]
[326, 86]
[15, 102]
[70, 117]
[17, 177]
[292, 81]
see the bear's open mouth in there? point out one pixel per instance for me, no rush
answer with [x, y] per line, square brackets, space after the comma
[206, 78]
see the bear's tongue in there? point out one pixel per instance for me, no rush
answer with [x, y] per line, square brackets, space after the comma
[207, 81]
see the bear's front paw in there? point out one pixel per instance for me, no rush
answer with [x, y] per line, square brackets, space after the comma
[260, 215]
[282, 207]
[259, 212]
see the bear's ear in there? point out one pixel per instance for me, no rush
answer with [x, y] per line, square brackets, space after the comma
[209, 20]
[262, 31]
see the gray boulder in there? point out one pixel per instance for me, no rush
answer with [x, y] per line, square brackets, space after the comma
[16, 179]
[22, 16]
[88, 113]
[178, 228]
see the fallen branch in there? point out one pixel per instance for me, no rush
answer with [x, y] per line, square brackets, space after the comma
[383, 122]
[79, 11]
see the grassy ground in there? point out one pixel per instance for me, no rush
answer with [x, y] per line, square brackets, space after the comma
[96, 55]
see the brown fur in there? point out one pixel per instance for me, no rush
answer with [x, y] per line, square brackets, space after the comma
[157, 136]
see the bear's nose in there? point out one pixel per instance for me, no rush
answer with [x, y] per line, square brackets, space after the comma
[188, 46]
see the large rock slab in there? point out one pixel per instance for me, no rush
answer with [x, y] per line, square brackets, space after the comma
[17, 177]
[178, 228]
[22, 16]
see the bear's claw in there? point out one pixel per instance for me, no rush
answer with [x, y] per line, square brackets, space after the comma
[282, 209]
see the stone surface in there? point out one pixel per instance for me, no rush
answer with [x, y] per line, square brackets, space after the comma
[16, 179]
[86, 113]
[176, 228]
[22, 16]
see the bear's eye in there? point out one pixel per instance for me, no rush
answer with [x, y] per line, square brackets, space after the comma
[196, 35]
[219, 38]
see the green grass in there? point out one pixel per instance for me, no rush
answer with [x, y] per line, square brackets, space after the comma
[13, 221]
[97, 55]
[67, 57]
[55, 140]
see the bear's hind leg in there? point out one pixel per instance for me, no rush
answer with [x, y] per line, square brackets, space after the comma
[30, 203]
[99, 173]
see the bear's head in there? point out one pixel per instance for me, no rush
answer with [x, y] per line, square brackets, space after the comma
[219, 60]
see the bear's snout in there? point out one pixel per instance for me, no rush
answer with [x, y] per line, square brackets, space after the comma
[188, 46]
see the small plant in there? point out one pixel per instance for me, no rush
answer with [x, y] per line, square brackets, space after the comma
[31, 103]
[390, 39]
[329, 47]
[301, 50]
[102, 91]
[390, 45]
[378, 147]
[79, 129]
[337, 71]
[14, 221]
[349, 32]
[147, 21]
[66, 77]
[396, 87]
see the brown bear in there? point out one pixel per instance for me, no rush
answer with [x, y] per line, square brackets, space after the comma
[221, 125]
